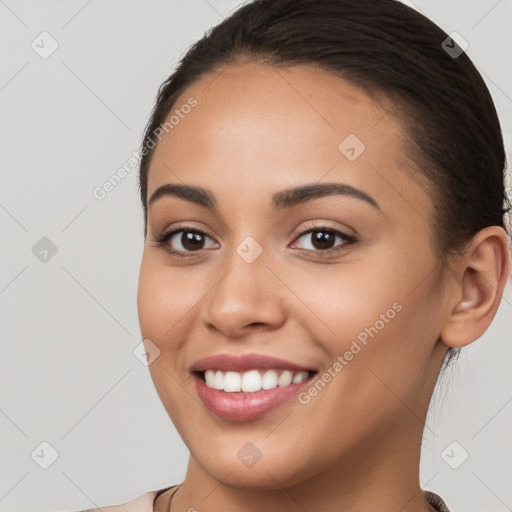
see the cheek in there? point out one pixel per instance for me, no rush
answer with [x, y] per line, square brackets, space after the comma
[165, 300]
[165, 311]
[378, 317]
[344, 303]
[385, 347]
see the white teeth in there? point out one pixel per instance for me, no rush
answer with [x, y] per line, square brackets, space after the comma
[269, 380]
[299, 377]
[218, 382]
[214, 379]
[285, 379]
[209, 377]
[232, 382]
[252, 380]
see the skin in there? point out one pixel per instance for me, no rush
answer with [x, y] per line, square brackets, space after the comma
[356, 445]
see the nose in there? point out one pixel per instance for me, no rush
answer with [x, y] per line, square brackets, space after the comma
[247, 297]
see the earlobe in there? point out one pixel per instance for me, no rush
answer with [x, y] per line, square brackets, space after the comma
[481, 275]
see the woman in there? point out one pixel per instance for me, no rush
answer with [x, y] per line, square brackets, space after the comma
[323, 191]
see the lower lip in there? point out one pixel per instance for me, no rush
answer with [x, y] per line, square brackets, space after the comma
[245, 406]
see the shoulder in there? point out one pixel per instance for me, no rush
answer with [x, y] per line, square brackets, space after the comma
[142, 503]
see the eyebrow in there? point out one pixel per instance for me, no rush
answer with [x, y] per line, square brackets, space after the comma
[280, 200]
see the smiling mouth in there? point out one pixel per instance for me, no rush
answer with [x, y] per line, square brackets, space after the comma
[243, 387]
[252, 381]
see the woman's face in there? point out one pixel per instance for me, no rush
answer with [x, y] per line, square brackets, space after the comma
[357, 300]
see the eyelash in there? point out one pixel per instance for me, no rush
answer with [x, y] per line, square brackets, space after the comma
[163, 239]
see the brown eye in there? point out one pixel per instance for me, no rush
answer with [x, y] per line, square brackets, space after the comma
[324, 239]
[183, 241]
[190, 240]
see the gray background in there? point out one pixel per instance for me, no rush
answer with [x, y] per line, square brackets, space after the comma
[69, 325]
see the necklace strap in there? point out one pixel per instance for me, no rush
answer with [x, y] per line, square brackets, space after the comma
[172, 496]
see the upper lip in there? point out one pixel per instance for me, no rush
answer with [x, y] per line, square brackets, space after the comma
[241, 363]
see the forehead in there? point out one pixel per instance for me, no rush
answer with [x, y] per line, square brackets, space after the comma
[258, 127]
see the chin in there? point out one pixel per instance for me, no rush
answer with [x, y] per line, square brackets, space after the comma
[271, 472]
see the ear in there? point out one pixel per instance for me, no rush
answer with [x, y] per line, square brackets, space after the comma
[480, 276]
